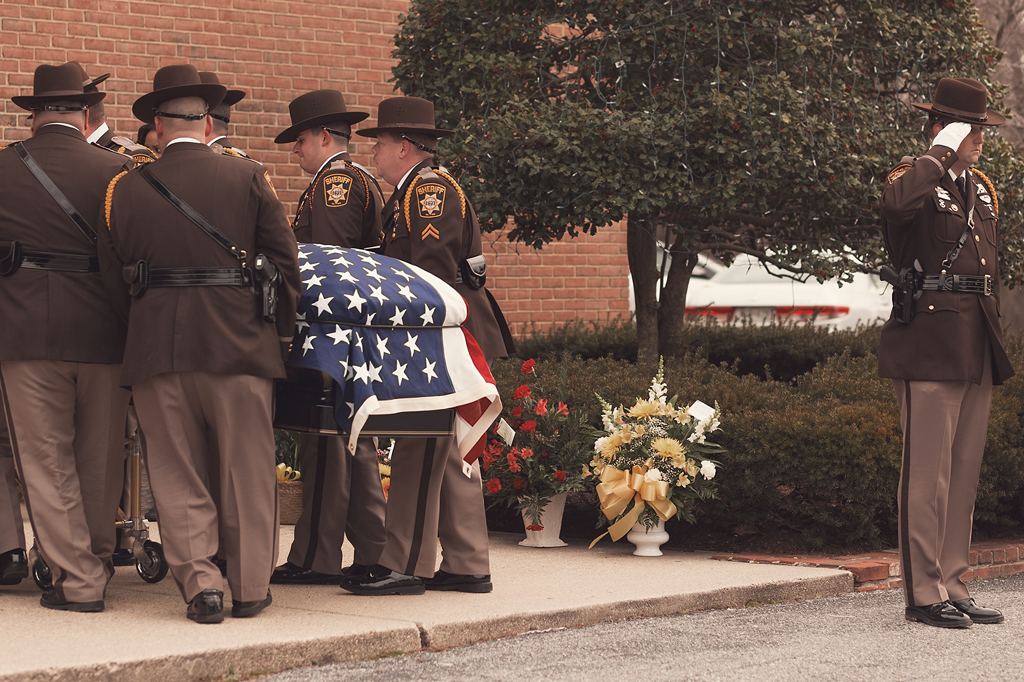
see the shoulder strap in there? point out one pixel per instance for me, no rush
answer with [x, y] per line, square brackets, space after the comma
[190, 213]
[55, 192]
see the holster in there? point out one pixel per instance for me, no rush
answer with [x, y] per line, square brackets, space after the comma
[906, 290]
[10, 257]
[137, 276]
[263, 282]
[473, 272]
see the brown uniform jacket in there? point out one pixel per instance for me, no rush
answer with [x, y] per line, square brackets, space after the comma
[341, 206]
[50, 315]
[199, 329]
[429, 222]
[923, 216]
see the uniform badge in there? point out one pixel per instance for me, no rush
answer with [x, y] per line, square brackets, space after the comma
[953, 208]
[430, 231]
[942, 193]
[336, 190]
[897, 172]
[430, 198]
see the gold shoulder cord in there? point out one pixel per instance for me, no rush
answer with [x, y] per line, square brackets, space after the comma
[462, 195]
[408, 201]
[110, 196]
[991, 190]
[366, 189]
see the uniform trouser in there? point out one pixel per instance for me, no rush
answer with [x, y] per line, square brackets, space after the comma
[67, 432]
[12, 527]
[194, 420]
[944, 427]
[431, 499]
[341, 495]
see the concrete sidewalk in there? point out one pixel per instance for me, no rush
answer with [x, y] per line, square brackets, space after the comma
[144, 635]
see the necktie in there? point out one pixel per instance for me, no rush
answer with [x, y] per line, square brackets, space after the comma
[961, 184]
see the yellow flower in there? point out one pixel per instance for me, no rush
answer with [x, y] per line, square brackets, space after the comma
[691, 468]
[668, 448]
[611, 445]
[683, 481]
[385, 469]
[643, 409]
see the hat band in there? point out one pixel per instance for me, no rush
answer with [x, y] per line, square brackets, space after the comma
[183, 117]
[55, 107]
[226, 119]
[960, 114]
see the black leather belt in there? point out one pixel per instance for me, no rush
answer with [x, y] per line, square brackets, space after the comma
[965, 284]
[196, 277]
[62, 262]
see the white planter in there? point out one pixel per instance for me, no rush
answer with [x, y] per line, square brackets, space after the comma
[551, 519]
[648, 542]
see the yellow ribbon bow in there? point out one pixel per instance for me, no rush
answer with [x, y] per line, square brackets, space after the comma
[286, 473]
[618, 487]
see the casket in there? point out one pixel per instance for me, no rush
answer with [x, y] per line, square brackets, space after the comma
[307, 399]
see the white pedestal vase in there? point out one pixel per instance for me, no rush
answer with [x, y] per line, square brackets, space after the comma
[551, 519]
[648, 542]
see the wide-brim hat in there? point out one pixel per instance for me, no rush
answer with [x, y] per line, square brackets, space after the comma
[963, 99]
[232, 97]
[405, 115]
[316, 109]
[90, 84]
[172, 82]
[57, 84]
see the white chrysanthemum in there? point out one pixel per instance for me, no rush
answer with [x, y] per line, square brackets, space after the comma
[708, 470]
[598, 443]
[652, 476]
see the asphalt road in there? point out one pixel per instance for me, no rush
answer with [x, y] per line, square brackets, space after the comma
[851, 637]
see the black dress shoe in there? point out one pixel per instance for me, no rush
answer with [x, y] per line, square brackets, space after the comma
[290, 574]
[445, 581]
[977, 614]
[221, 564]
[52, 600]
[207, 607]
[382, 580]
[941, 615]
[13, 567]
[355, 570]
[248, 609]
[123, 557]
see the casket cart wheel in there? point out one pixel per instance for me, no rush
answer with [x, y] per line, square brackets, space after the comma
[152, 567]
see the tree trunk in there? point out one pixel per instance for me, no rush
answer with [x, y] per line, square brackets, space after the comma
[641, 249]
[672, 306]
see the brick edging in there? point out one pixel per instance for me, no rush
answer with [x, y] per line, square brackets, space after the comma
[881, 570]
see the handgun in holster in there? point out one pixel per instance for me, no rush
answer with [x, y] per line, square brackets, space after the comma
[264, 282]
[906, 289]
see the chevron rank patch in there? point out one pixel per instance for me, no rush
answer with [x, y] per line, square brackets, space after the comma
[430, 198]
[336, 190]
[897, 172]
[430, 231]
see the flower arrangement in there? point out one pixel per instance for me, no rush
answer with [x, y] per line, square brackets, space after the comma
[540, 451]
[653, 459]
[287, 455]
[384, 466]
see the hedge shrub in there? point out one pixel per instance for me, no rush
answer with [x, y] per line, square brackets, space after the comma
[818, 454]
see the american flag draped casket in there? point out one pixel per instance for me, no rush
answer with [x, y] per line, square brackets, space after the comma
[390, 335]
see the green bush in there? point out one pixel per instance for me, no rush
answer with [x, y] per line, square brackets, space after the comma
[817, 456]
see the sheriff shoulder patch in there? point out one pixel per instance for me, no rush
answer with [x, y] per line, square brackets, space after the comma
[897, 172]
[430, 199]
[336, 190]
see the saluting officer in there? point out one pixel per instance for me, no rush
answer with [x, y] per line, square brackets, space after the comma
[195, 229]
[342, 492]
[429, 222]
[61, 341]
[940, 214]
[221, 115]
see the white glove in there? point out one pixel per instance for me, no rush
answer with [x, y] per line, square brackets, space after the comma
[952, 135]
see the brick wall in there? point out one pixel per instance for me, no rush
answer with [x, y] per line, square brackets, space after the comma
[275, 51]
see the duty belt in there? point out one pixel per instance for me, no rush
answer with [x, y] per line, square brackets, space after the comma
[965, 284]
[62, 262]
[141, 277]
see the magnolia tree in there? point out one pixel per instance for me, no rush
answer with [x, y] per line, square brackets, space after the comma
[763, 128]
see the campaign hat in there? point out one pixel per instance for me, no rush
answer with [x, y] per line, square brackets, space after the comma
[405, 115]
[173, 82]
[962, 99]
[317, 109]
[232, 97]
[57, 84]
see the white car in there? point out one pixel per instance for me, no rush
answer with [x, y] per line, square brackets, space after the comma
[746, 290]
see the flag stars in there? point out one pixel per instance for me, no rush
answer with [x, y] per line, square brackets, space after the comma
[323, 304]
[355, 301]
[373, 274]
[307, 345]
[300, 322]
[348, 277]
[403, 274]
[341, 260]
[406, 292]
[428, 370]
[382, 346]
[428, 315]
[378, 293]
[411, 344]
[340, 335]
[399, 372]
[368, 259]
[397, 320]
[313, 281]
